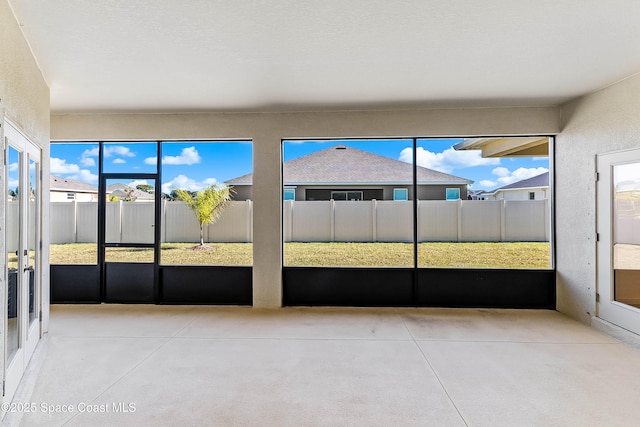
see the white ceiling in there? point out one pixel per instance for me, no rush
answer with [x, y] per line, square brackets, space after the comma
[274, 55]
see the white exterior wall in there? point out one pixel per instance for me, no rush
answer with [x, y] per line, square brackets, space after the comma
[61, 196]
[605, 121]
[521, 194]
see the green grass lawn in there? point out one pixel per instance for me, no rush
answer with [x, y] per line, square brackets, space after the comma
[445, 254]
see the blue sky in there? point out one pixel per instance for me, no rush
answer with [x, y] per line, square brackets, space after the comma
[194, 165]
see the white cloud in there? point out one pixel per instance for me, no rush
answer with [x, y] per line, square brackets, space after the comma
[91, 153]
[13, 183]
[118, 150]
[135, 183]
[86, 158]
[188, 156]
[87, 162]
[13, 167]
[500, 171]
[508, 177]
[85, 175]
[60, 166]
[448, 160]
[185, 183]
[119, 161]
[487, 184]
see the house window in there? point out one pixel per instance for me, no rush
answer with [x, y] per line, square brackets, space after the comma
[71, 196]
[453, 194]
[289, 194]
[532, 195]
[346, 195]
[400, 194]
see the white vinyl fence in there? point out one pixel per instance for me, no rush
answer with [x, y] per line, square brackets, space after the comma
[313, 221]
[133, 222]
[391, 221]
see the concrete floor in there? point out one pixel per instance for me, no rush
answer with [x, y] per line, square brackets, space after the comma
[192, 366]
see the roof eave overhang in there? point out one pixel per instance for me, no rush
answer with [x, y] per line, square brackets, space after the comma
[530, 146]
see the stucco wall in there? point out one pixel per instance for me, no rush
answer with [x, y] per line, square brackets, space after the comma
[605, 121]
[267, 130]
[24, 93]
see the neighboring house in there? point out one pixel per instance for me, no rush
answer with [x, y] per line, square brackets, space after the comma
[534, 188]
[476, 195]
[123, 192]
[346, 173]
[69, 190]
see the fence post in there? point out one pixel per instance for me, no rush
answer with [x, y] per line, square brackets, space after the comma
[374, 220]
[247, 204]
[163, 218]
[503, 219]
[333, 220]
[547, 220]
[459, 220]
[75, 221]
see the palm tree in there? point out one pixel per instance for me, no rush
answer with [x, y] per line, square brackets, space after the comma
[207, 205]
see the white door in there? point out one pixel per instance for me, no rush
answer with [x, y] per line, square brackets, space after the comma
[619, 239]
[23, 276]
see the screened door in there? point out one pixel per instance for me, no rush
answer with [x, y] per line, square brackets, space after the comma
[619, 239]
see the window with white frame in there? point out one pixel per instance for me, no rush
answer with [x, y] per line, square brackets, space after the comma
[453, 194]
[289, 194]
[401, 194]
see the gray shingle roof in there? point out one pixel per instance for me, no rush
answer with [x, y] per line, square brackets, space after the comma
[346, 165]
[541, 180]
[68, 185]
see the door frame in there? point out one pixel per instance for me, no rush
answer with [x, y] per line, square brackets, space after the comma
[607, 308]
[29, 333]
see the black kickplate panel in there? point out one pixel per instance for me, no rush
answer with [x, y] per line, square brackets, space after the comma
[206, 285]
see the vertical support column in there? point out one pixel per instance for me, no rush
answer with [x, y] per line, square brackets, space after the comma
[267, 221]
[45, 238]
